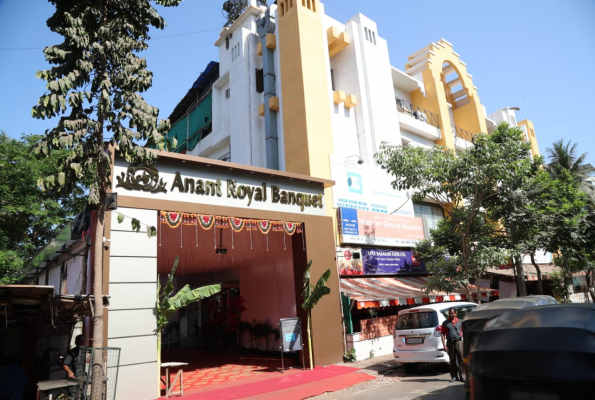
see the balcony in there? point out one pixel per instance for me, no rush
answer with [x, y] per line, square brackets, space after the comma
[463, 139]
[226, 157]
[418, 120]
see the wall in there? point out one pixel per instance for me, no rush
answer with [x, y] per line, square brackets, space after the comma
[375, 339]
[133, 289]
[74, 275]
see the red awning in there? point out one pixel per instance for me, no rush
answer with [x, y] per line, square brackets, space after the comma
[382, 292]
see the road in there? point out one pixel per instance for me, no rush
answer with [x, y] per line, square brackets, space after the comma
[430, 382]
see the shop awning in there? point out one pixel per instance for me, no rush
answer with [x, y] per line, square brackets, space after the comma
[22, 302]
[528, 270]
[382, 292]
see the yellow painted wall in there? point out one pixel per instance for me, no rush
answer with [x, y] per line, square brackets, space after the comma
[471, 116]
[532, 136]
[307, 126]
[435, 101]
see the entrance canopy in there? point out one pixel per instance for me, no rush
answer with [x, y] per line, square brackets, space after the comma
[383, 292]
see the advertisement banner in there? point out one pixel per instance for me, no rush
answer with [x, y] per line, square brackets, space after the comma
[349, 261]
[384, 262]
[366, 227]
[368, 188]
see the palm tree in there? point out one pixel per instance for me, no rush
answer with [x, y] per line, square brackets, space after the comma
[564, 157]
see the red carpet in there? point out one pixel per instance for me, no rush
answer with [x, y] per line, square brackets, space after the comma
[207, 368]
[317, 381]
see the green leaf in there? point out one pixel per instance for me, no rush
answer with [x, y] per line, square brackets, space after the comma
[120, 218]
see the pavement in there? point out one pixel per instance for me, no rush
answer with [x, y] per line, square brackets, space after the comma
[383, 378]
[431, 381]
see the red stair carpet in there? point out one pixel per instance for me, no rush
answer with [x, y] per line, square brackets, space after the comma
[298, 385]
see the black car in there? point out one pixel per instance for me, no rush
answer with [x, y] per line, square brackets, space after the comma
[475, 321]
[538, 353]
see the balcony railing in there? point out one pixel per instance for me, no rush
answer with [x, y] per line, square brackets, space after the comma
[226, 157]
[462, 134]
[405, 107]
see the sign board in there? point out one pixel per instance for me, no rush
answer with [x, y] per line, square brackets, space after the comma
[384, 262]
[175, 181]
[372, 228]
[368, 188]
[349, 261]
[541, 257]
[291, 334]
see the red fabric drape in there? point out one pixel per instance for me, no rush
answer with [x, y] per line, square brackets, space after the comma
[263, 262]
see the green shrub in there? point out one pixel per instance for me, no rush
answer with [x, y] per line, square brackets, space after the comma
[349, 356]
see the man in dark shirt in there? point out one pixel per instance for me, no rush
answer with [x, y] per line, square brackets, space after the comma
[452, 331]
[72, 357]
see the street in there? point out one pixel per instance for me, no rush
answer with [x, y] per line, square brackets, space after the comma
[392, 382]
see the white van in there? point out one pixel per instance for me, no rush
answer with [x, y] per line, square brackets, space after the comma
[417, 333]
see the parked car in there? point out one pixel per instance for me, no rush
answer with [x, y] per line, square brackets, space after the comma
[545, 352]
[417, 333]
[475, 321]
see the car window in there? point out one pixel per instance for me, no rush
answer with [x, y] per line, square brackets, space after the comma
[462, 311]
[418, 320]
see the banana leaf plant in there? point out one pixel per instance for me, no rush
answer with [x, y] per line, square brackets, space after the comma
[167, 304]
[311, 295]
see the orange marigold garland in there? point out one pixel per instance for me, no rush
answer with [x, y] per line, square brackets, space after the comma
[221, 222]
[264, 225]
[290, 227]
[189, 219]
[237, 224]
[173, 219]
[206, 221]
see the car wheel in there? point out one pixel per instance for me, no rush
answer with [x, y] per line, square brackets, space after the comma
[410, 367]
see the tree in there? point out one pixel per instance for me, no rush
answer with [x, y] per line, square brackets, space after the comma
[563, 157]
[312, 295]
[443, 253]
[549, 215]
[93, 86]
[167, 304]
[464, 184]
[29, 217]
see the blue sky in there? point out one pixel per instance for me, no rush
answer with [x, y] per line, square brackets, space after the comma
[534, 54]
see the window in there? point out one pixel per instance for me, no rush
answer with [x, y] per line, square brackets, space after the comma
[370, 35]
[227, 93]
[462, 311]
[332, 80]
[417, 320]
[430, 214]
[235, 52]
[259, 80]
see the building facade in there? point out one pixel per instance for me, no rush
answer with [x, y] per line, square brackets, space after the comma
[301, 102]
[302, 92]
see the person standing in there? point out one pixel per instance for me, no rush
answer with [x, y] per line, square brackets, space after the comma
[72, 356]
[452, 333]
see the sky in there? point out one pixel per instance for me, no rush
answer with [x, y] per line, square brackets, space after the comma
[534, 54]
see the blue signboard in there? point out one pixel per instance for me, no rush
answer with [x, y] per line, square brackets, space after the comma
[349, 225]
[385, 262]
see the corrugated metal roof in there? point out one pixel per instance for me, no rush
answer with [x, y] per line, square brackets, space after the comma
[382, 292]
